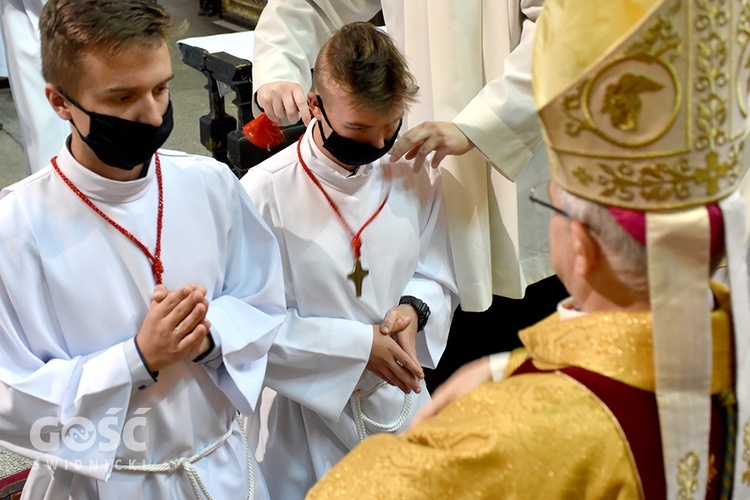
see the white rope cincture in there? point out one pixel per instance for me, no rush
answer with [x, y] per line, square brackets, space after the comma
[249, 456]
[186, 463]
[361, 420]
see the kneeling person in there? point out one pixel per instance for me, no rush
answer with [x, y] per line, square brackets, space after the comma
[369, 285]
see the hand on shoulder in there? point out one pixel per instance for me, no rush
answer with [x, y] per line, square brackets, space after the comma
[444, 138]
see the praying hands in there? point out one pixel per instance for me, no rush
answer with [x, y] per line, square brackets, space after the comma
[175, 326]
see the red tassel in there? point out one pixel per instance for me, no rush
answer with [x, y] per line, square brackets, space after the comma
[264, 133]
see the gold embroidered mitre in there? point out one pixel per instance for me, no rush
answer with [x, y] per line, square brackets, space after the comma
[643, 103]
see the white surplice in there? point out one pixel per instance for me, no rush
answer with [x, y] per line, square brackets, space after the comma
[472, 61]
[319, 356]
[74, 393]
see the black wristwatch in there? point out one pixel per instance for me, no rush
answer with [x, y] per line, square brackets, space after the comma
[423, 310]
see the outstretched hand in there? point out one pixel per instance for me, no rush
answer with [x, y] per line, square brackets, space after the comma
[283, 101]
[444, 138]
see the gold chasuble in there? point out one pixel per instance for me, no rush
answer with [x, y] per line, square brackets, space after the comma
[533, 435]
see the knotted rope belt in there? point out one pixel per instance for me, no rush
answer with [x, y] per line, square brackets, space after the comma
[186, 463]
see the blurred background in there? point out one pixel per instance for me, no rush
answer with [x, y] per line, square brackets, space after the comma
[189, 96]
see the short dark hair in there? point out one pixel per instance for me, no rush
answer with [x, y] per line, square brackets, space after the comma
[71, 28]
[365, 62]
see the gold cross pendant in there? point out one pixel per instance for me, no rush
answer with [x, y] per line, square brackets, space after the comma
[357, 276]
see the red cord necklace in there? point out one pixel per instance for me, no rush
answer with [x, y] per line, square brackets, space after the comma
[156, 265]
[358, 273]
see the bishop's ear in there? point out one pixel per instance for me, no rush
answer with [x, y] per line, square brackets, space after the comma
[587, 251]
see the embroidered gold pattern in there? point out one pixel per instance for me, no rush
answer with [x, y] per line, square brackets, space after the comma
[662, 181]
[505, 427]
[649, 65]
[743, 37]
[712, 470]
[622, 100]
[687, 475]
[609, 104]
[660, 42]
[746, 452]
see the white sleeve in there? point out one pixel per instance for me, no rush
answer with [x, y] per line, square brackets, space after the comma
[498, 364]
[434, 281]
[289, 34]
[316, 362]
[246, 316]
[45, 391]
[44, 402]
[501, 120]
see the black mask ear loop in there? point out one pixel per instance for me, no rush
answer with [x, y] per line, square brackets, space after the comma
[325, 117]
[68, 98]
[74, 103]
[320, 126]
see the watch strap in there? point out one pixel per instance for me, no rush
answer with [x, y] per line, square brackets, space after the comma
[423, 310]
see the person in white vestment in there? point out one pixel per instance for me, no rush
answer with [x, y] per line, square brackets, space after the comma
[475, 116]
[41, 130]
[370, 289]
[3, 60]
[141, 290]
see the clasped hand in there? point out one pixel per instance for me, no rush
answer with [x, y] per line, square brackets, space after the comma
[393, 356]
[175, 326]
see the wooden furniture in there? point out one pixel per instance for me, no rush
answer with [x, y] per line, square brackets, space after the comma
[225, 60]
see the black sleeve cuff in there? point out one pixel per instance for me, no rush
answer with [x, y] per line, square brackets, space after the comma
[154, 375]
[208, 351]
[255, 98]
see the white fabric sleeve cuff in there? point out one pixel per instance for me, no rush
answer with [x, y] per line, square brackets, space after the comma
[498, 364]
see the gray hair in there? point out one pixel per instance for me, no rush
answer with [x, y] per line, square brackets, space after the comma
[626, 256]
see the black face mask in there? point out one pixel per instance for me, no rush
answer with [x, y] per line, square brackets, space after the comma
[349, 151]
[123, 143]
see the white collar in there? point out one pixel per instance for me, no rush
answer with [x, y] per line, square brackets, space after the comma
[98, 188]
[566, 310]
